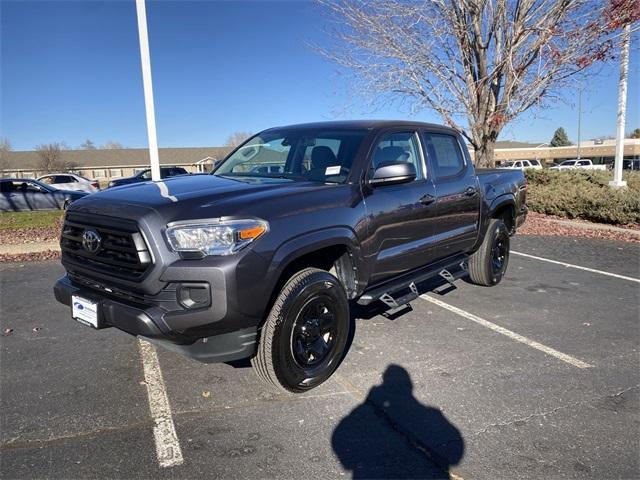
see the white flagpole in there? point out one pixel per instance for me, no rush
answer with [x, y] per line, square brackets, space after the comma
[617, 181]
[145, 59]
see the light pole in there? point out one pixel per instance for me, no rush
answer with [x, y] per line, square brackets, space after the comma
[617, 181]
[579, 118]
[145, 60]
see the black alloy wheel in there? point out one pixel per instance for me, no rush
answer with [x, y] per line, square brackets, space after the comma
[314, 332]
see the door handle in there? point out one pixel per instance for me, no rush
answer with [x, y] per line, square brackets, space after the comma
[427, 199]
[470, 192]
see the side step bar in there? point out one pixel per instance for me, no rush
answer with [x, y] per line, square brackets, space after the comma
[385, 292]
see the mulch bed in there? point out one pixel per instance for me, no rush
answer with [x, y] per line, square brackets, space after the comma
[17, 236]
[29, 257]
[539, 224]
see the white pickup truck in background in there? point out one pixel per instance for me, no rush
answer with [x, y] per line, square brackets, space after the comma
[584, 164]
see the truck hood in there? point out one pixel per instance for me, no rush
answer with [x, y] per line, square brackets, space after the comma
[185, 197]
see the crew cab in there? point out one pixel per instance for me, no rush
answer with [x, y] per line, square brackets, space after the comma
[266, 263]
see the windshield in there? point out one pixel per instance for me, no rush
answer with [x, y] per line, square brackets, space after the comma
[298, 155]
[507, 164]
[568, 162]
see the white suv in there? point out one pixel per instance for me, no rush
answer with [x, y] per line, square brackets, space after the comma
[521, 165]
[70, 181]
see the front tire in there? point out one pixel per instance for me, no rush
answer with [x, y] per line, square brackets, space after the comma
[488, 265]
[305, 335]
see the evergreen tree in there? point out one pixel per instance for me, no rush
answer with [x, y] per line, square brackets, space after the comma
[560, 138]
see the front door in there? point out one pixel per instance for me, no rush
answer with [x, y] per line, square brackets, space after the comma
[400, 216]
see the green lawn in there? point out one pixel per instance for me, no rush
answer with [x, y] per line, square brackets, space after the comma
[44, 218]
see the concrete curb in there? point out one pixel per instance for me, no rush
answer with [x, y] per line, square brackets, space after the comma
[37, 247]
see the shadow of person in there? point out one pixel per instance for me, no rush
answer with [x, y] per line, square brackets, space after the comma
[392, 435]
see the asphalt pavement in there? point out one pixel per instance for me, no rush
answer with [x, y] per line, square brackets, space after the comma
[535, 378]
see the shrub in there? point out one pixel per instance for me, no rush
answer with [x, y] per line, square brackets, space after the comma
[584, 194]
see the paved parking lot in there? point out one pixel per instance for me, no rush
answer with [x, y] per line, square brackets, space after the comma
[535, 378]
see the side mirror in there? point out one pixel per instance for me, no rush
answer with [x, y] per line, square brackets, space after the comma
[393, 173]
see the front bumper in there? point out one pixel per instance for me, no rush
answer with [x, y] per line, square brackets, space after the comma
[149, 321]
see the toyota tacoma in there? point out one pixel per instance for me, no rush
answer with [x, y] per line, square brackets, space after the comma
[264, 258]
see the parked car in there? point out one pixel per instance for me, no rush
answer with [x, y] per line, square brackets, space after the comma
[70, 181]
[245, 263]
[20, 194]
[521, 165]
[145, 175]
[574, 164]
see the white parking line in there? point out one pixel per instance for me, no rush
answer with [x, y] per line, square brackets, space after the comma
[569, 265]
[167, 444]
[512, 335]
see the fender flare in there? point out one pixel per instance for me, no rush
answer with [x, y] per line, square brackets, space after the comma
[506, 199]
[309, 242]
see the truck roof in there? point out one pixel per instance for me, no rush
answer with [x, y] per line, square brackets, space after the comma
[360, 124]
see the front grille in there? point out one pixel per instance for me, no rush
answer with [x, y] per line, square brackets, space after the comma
[122, 251]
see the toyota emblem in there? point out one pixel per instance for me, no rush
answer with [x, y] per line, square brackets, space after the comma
[91, 241]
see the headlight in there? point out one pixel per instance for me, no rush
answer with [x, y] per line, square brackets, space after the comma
[211, 237]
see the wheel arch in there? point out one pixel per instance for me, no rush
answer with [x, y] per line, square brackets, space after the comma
[335, 248]
[504, 207]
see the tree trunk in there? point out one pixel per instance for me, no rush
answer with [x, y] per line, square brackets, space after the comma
[484, 152]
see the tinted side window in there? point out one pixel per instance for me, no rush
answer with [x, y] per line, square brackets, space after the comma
[444, 153]
[398, 147]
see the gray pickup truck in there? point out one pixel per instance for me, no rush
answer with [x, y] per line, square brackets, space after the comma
[263, 258]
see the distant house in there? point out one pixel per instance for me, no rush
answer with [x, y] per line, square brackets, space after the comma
[114, 163]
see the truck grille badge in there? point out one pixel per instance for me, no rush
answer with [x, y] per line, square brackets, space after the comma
[91, 241]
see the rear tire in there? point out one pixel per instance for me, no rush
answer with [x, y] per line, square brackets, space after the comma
[488, 265]
[305, 335]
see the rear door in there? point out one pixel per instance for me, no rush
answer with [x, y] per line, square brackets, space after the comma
[457, 208]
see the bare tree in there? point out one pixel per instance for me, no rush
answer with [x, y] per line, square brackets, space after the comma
[111, 145]
[236, 138]
[5, 148]
[88, 144]
[477, 63]
[51, 157]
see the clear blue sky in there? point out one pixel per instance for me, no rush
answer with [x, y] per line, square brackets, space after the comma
[71, 71]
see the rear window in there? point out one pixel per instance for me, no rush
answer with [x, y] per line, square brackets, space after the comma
[444, 153]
